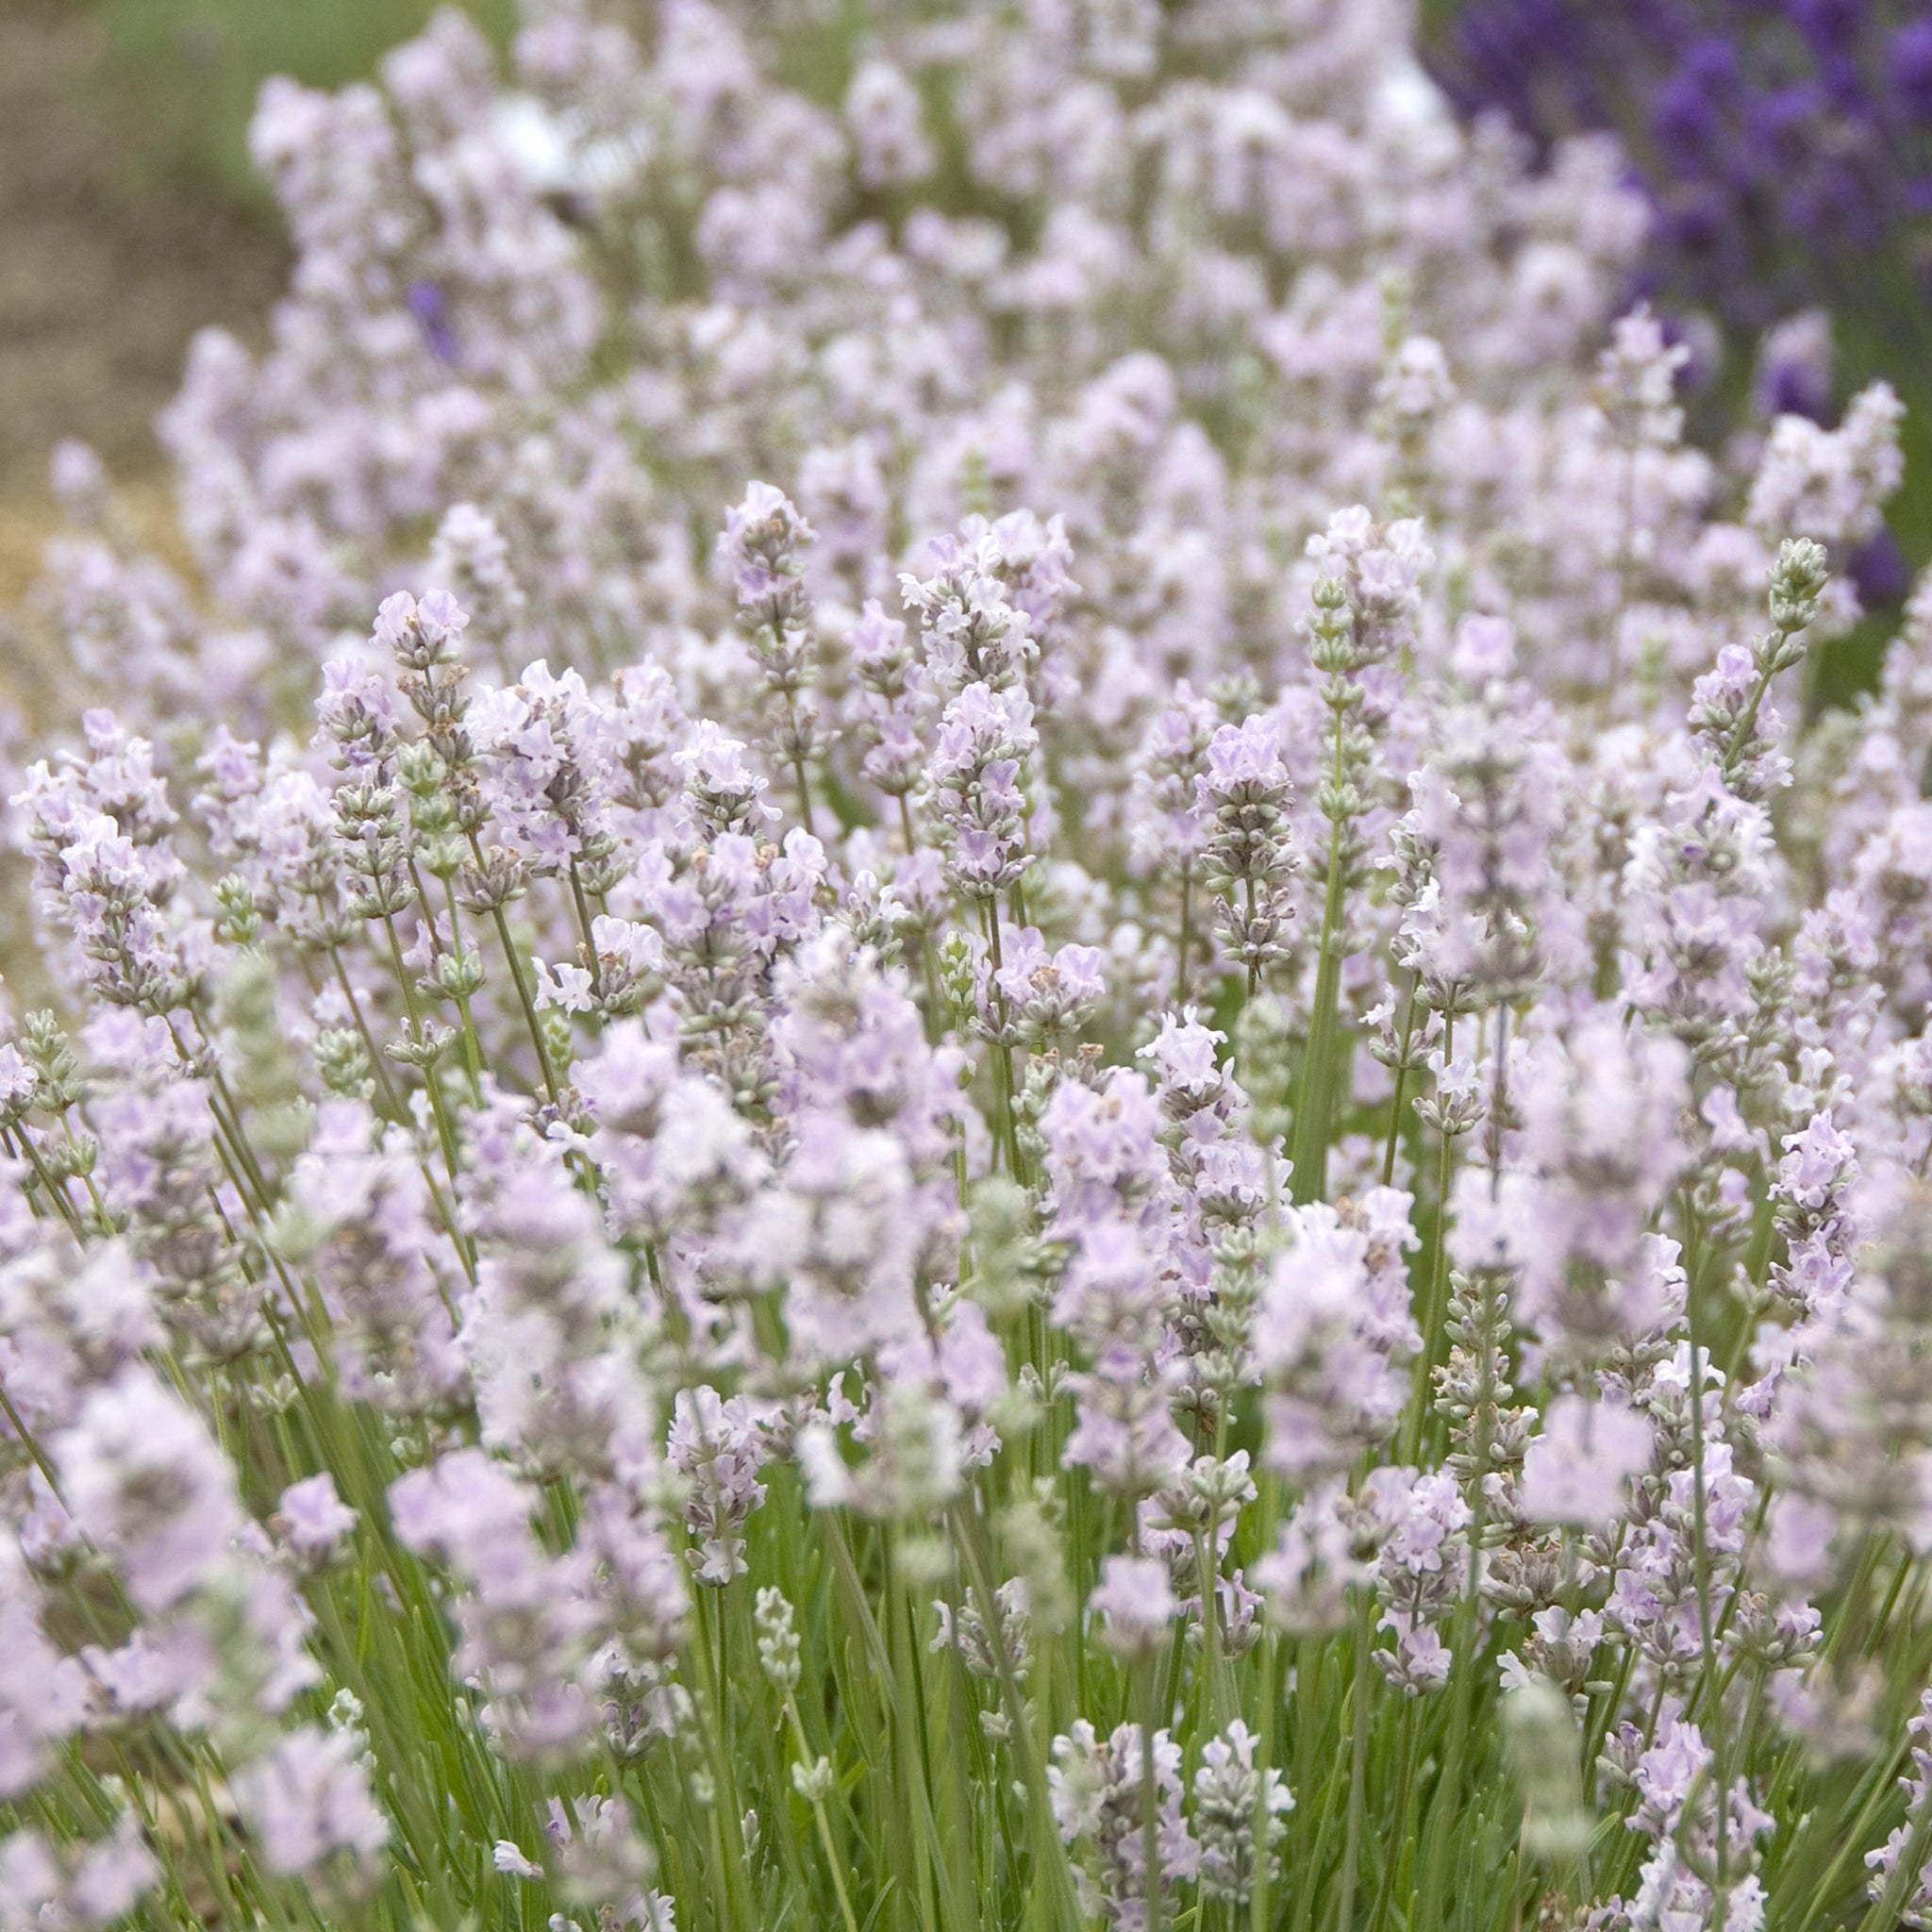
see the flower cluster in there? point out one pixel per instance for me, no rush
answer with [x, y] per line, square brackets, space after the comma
[973, 1030]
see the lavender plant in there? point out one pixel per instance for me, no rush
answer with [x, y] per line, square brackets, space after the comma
[967, 1035]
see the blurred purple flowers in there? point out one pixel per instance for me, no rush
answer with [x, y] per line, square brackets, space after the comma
[1782, 143]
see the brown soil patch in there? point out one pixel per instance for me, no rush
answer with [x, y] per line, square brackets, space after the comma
[109, 261]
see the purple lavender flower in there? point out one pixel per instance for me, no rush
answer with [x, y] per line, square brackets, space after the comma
[425, 302]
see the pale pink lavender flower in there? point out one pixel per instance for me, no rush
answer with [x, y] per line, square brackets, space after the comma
[1096, 1788]
[1135, 1604]
[1577, 1469]
[309, 1801]
[312, 1520]
[146, 1483]
[1326, 1346]
[1235, 1802]
[1911, 1897]
[679, 1195]
[716, 1446]
[86, 1883]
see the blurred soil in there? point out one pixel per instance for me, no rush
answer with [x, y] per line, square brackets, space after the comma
[111, 257]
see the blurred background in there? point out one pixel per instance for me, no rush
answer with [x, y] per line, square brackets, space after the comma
[1786, 144]
[1787, 149]
[129, 216]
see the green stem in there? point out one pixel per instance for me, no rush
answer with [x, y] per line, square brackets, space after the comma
[1358, 1757]
[835, 1863]
[472, 1044]
[1438, 1278]
[54, 1193]
[378, 1064]
[1401, 1081]
[726, 1812]
[1313, 1115]
[1266, 1713]
[1187, 939]
[1461, 1671]
[1051, 1893]
[1715, 1717]
[1006, 1119]
[1260, 1917]
[1150, 1800]
[915, 1764]
[1308, 1692]
[1210, 1578]
[1404, 1784]
[1747, 718]
[516, 974]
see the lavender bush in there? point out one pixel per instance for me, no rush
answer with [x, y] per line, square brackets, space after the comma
[1057, 1095]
